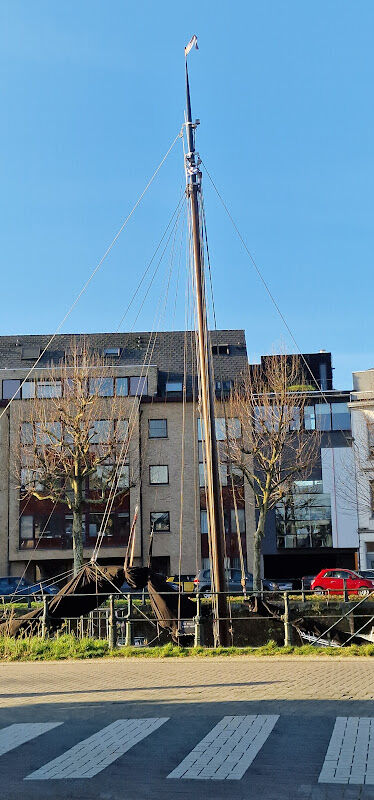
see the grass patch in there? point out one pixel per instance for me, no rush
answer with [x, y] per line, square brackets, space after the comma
[69, 647]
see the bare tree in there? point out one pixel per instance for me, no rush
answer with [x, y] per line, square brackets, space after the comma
[73, 435]
[274, 450]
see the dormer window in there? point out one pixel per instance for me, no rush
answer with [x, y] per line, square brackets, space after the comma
[220, 349]
[112, 351]
[30, 353]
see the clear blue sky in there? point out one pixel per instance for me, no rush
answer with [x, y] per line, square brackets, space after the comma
[93, 94]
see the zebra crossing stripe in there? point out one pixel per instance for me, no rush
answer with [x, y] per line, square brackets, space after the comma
[92, 755]
[350, 754]
[15, 735]
[228, 749]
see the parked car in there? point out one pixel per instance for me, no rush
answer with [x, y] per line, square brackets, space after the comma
[20, 587]
[332, 581]
[202, 582]
[187, 582]
[366, 573]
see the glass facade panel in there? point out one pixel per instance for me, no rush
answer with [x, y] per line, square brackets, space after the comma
[28, 390]
[10, 389]
[323, 417]
[159, 474]
[303, 518]
[341, 418]
[157, 428]
[122, 387]
[220, 429]
[309, 418]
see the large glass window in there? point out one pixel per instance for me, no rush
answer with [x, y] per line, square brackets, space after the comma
[102, 387]
[48, 389]
[303, 518]
[160, 521]
[138, 386]
[159, 473]
[341, 418]
[157, 428]
[10, 389]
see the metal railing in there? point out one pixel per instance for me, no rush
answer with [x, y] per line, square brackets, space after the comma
[126, 620]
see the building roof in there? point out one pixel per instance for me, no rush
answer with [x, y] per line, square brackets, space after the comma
[164, 349]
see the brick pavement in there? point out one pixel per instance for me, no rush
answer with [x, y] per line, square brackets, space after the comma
[283, 713]
[218, 679]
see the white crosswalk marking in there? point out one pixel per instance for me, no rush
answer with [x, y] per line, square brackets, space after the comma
[228, 749]
[350, 754]
[15, 735]
[92, 755]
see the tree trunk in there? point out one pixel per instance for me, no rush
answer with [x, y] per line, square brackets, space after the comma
[77, 540]
[259, 532]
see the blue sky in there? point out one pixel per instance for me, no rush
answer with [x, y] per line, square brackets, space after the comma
[92, 96]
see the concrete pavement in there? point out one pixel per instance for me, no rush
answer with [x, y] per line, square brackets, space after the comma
[208, 728]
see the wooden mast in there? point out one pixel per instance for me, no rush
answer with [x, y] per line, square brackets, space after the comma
[213, 489]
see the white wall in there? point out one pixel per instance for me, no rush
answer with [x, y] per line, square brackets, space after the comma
[338, 472]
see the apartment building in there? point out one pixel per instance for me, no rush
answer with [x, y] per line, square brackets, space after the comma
[319, 526]
[362, 413]
[148, 373]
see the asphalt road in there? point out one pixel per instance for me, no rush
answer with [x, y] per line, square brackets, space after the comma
[224, 728]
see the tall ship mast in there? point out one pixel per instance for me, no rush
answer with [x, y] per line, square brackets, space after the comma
[216, 529]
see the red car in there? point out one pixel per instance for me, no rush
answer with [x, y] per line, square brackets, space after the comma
[332, 581]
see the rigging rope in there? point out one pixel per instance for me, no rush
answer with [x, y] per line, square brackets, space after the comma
[93, 273]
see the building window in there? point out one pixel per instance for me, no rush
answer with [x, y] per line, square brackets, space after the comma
[10, 387]
[112, 351]
[138, 386]
[27, 434]
[101, 387]
[309, 418]
[323, 376]
[48, 389]
[28, 390]
[220, 349]
[160, 521]
[157, 428]
[203, 521]
[241, 520]
[371, 439]
[224, 387]
[174, 386]
[122, 387]
[303, 517]
[341, 418]
[101, 431]
[30, 353]
[372, 498]
[27, 528]
[159, 474]
[323, 417]
[122, 429]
